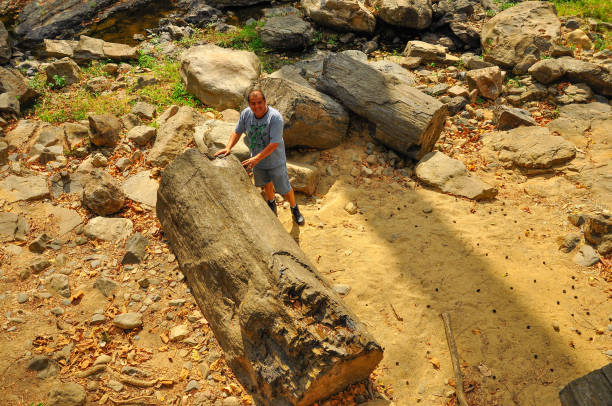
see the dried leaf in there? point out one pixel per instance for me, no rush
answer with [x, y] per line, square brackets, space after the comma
[85, 363]
[435, 362]
[195, 355]
[76, 298]
[484, 370]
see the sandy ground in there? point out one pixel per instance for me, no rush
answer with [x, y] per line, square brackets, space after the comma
[409, 254]
[413, 253]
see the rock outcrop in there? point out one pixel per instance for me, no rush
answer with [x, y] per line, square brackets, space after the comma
[311, 118]
[528, 28]
[404, 13]
[219, 77]
[345, 15]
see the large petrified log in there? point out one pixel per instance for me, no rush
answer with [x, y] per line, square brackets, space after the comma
[406, 119]
[288, 337]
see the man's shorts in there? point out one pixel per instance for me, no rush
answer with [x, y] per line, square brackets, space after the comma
[278, 176]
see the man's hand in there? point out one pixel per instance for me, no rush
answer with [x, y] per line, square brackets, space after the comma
[224, 152]
[250, 163]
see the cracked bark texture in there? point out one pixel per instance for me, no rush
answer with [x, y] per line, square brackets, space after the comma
[288, 337]
[405, 119]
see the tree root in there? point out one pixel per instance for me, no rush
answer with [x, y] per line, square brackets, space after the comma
[91, 371]
[140, 400]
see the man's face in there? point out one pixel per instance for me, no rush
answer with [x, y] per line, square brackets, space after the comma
[257, 104]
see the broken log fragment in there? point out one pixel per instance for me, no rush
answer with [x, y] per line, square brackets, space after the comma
[288, 337]
[404, 118]
[593, 389]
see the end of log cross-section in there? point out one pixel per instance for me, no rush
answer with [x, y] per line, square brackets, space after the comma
[290, 339]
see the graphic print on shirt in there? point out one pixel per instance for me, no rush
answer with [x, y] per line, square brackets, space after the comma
[256, 137]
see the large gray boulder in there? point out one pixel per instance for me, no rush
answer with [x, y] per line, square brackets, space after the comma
[101, 193]
[303, 177]
[12, 227]
[546, 70]
[529, 147]
[64, 68]
[176, 129]
[451, 176]
[528, 28]
[141, 188]
[488, 81]
[67, 394]
[286, 32]
[404, 118]
[105, 130]
[425, 51]
[119, 52]
[214, 134]
[9, 104]
[219, 77]
[5, 45]
[311, 118]
[13, 81]
[108, 228]
[15, 188]
[404, 13]
[597, 77]
[89, 48]
[59, 48]
[345, 15]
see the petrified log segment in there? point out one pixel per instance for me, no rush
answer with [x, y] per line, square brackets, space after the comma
[593, 389]
[406, 119]
[288, 337]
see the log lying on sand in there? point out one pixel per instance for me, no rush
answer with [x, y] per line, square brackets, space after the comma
[288, 337]
[406, 119]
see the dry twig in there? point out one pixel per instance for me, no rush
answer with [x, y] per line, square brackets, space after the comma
[455, 359]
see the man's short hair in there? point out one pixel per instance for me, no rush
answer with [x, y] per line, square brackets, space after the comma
[263, 96]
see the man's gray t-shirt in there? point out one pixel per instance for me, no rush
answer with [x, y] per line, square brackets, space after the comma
[260, 132]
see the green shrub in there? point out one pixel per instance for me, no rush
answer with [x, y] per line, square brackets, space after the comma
[145, 60]
[58, 81]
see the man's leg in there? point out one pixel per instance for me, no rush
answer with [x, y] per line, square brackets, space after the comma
[280, 177]
[290, 197]
[269, 191]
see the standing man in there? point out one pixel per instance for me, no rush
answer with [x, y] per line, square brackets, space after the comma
[264, 128]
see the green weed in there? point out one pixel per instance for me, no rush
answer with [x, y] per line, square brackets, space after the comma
[145, 60]
[246, 38]
[58, 81]
[600, 9]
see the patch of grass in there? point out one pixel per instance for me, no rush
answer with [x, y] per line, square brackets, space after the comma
[145, 60]
[38, 82]
[170, 89]
[187, 42]
[94, 69]
[599, 9]
[333, 40]
[504, 5]
[603, 40]
[245, 38]
[317, 37]
[61, 106]
[58, 81]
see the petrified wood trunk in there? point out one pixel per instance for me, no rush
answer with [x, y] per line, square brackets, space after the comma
[406, 119]
[288, 337]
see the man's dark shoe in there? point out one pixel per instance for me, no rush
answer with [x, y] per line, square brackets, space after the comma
[297, 216]
[272, 205]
